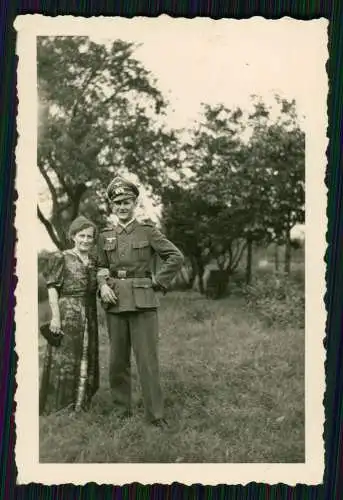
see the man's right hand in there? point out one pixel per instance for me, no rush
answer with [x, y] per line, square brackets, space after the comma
[107, 294]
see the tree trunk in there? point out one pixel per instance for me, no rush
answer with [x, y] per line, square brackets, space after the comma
[79, 191]
[200, 274]
[201, 283]
[50, 229]
[249, 261]
[288, 252]
[191, 281]
[60, 229]
[188, 275]
[62, 217]
[194, 272]
[276, 256]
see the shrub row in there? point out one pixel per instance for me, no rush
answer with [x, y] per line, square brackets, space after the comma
[277, 299]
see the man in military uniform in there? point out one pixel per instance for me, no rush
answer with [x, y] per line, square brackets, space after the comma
[127, 289]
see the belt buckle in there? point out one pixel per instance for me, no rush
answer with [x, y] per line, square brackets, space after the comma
[122, 274]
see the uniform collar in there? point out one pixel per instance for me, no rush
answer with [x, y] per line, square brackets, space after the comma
[128, 227]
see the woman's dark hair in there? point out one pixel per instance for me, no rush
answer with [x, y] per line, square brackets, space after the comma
[79, 224]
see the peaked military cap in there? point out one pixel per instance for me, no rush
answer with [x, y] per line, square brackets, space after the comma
[120, 189]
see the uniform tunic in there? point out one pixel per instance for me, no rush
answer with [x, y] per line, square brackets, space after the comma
[129, 253]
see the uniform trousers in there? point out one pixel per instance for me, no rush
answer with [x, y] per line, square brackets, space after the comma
[138, 330]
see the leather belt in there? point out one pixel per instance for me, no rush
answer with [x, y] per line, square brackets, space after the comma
[123, 274]
[76, 294]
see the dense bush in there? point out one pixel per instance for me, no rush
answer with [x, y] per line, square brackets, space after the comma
[278, 299]
[42, 289]
[43, 261]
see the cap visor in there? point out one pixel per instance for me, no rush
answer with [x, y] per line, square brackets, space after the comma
[122, 197]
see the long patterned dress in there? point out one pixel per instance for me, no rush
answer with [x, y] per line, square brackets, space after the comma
[70, 375]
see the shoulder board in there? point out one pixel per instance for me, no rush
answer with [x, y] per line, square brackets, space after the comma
[107, 229]
[147, 222]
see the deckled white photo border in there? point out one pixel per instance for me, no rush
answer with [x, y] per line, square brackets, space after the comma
[27, 448]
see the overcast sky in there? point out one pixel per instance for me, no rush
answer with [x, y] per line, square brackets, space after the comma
[202, 60]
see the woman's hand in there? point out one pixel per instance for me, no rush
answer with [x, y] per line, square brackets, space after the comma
[55, 325]
[107, 294]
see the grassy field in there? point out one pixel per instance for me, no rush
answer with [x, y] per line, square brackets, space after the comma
[234, 392]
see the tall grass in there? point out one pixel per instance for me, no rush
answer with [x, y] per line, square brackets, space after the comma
[233, 385]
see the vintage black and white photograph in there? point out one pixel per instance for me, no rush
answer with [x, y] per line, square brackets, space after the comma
[175, 236]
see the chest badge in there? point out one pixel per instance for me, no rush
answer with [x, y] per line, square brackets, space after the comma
[110, 243]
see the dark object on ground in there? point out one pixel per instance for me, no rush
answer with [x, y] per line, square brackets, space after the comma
[160, 422]
[217, 284]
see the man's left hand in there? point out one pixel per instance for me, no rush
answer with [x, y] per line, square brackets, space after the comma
[157, 287]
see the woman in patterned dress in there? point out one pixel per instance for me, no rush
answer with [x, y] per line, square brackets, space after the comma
[70, 375]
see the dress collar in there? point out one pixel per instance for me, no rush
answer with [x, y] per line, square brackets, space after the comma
[84, 259]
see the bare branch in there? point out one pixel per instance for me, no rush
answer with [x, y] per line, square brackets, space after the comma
[238, 255]
[83, 90]
[229, 260]
[49, 183]
[115, 94]
[87, 81]
[50, 229]
[64, 185]
[236, 251]
[62, 207]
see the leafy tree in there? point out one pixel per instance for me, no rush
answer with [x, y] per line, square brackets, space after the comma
[277, 152]
[214, 155]
[98, 117]
[243, 189]
[185, 218]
